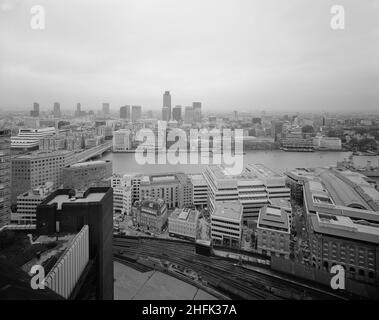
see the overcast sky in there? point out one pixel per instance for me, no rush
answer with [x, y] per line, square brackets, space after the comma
[229, 54]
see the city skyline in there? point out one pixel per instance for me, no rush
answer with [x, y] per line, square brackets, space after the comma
[246, 55]
[189, 150]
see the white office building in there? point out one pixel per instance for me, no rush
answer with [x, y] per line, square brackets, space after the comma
[274, 182]
[27, 204]
[29, 139]
[226, 224]
[122, 140]
[327, 143]
[122, 200]
[182, 223]
[246, 188]
[199, 190]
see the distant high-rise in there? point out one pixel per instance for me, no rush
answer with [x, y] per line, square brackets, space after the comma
[188, 115]
[57, 110]
[277, 130]
[106, 109]
[235, 115]
[150, 114]
[78, 108]
[167, 102]
[177, 113]
[78, 112]
[165, 114]
[5, 177]
[35, 111]
[136, 113]
[196, 111]
[125, 112]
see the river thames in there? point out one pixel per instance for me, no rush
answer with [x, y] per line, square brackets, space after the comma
[278, 160]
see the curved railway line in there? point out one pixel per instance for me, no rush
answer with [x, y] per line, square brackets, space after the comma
[220, 274]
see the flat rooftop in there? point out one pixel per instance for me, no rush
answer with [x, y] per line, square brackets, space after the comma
[274, 218]
[228, 209]
[88, 164]
[40, 154]
[222, 173]
[185, 214]
[60, 199]
[196, 177]
[340, 226]
[283, 203]
[264, 171]
[164, 178]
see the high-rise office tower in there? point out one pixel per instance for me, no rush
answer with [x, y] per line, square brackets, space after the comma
[277, 130]
[177, 113]
[196, 111]
[5, 176]
[167, 102]
[66, 212]
[235, 115]
[149, 114]
[35, 111]
[78, 112]
[106, 109]
[188, 115]
[57, 110]
[125, 112]
[136, 113]
[165, 114]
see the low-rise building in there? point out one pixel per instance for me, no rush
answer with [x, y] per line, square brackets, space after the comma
[83, 175]
[122, 141]
[27, 204]
[273, 232]
[246, 188]
[339, 240]
[34, 169]
[151, 214]
[285, 205]
[183, 223]
[174, 188]
[274, 182]
[226, 224]
[327, 143]
[122, 199]
[29, 138]
[297, 144]
[199, 190]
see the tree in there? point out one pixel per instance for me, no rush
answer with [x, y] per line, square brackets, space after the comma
[7, 238]
[365, 144]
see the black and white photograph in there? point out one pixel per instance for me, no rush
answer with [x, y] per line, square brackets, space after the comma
[181, 156]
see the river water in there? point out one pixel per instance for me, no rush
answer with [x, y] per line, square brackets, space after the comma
[277, 160]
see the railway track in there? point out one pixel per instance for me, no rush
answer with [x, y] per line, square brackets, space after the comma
[219, 273]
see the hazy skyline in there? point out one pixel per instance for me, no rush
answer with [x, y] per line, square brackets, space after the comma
[243, 55]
